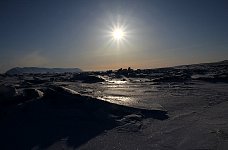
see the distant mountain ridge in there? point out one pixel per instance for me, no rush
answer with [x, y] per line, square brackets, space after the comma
[211, 64]
[37, 70]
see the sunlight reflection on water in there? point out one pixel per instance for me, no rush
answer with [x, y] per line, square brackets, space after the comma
[118, 82]
[118, 99]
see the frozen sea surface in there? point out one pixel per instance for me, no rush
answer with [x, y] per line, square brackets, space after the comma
[139, 93]
[164, 109]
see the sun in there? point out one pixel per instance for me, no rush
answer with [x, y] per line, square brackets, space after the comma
[118, 34]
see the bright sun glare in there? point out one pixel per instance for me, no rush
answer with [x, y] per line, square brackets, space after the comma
[118, 34]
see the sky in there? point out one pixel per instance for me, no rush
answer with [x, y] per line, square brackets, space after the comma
[78, 33]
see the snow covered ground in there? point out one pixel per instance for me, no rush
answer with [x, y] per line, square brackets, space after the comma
[171, 108]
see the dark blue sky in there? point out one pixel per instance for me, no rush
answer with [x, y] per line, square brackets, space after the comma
[59, 33]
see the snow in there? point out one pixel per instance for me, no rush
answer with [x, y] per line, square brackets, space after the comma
[121, 111]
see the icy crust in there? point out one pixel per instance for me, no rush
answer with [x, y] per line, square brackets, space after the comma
[69, 115]
[62, 113]
[182, 107]
[93, 103]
